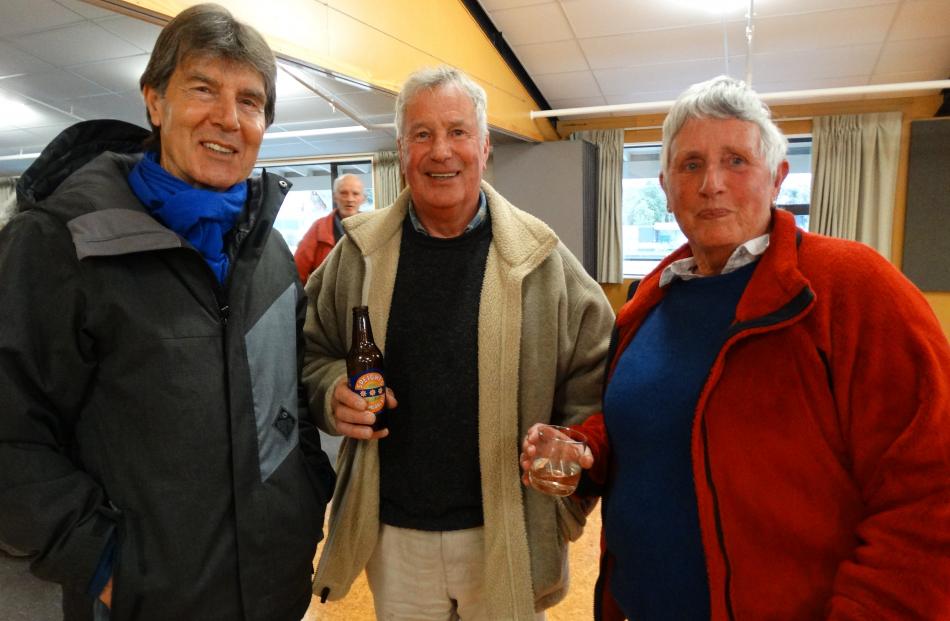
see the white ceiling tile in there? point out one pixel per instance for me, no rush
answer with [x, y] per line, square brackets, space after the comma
[555, 57]
[908, 76]
[370, 104]
[567, 85]
[11, 140]
[53, 87]
[318, 80]
[532, 24]
[76, 44]
[661, 46]
[921, 19]
[294, 141]
[807, 84]
[331, 146]
[635, 81]
[33, 115]
[494, 5]
[577, 102]
[139, 33]
[21, 16]
[825, 29]
[304, 109]
[919, 55]
[819, 84]
[290, 88]
[815, 64]
[297, 148]
[110, 106]
[120, 75]
[645, 96]
[14, 61]
[85, 9]
[773, 8]
[598, 18]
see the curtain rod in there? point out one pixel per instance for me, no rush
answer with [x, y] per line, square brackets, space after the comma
[770, 98]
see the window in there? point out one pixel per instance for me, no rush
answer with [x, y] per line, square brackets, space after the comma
[650, 232]
[311, 196]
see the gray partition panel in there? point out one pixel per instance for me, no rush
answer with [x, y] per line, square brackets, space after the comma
[927, 226]
[557, 182]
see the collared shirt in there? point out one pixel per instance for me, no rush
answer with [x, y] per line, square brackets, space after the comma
[473, 224]
[743, 255]
[338, 230]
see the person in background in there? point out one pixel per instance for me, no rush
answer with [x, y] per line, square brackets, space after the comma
[155, 456]
[775, 440]
[324, 233]
[488, 325]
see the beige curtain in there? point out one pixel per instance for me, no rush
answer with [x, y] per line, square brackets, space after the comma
[7, 199]
[387, 182]
[854, 177]
[609, 201]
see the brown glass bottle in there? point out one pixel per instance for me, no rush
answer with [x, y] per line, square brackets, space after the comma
[364, 367]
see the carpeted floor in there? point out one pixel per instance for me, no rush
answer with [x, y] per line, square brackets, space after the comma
[24, 597]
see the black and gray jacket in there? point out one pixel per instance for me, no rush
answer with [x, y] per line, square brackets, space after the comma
[142, 401]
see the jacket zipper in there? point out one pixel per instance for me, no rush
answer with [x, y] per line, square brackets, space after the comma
[785, 315]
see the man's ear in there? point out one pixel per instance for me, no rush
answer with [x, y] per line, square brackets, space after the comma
[152, 100]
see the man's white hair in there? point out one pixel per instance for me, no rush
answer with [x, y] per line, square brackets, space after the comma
[724, 97]
[339, 180]
[430, 78]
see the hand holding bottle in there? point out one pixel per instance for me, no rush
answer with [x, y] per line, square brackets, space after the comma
[352, 415]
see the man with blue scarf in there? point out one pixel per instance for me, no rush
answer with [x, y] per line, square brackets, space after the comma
[155, 457]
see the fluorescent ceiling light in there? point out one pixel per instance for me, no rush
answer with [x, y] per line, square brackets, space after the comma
[14, 113]
[716, 7]
[19, 156]
[323, 131]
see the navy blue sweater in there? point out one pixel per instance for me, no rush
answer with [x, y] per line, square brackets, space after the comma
[650, 513]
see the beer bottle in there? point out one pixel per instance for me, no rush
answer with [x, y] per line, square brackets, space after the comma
[364, 367]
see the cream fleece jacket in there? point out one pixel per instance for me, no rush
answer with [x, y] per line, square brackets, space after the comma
[543, 333]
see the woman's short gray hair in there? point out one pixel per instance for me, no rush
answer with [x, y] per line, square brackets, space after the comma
[432, 78]
[724, 97]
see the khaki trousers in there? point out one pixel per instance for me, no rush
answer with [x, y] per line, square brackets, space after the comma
[418, 575]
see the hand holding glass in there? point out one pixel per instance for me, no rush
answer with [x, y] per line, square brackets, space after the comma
[556, 466]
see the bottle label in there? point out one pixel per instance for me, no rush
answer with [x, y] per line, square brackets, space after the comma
[372, 387]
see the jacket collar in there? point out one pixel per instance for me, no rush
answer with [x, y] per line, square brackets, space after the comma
[777, 291]
[519, 238]
[105, 218]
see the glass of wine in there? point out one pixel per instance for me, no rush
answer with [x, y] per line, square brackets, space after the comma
[556, 468]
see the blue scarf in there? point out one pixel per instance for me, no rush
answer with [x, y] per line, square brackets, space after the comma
[201, 216]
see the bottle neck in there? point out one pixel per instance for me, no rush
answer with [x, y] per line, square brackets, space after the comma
[362, 331]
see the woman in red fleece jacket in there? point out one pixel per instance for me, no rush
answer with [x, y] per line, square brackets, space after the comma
[802, 427]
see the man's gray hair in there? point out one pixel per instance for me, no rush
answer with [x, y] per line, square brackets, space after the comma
[209, 29]
[339, 180]
[724, 97]
[431, 78]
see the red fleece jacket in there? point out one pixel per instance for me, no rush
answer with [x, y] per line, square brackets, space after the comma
[821, 440]
[315, 245]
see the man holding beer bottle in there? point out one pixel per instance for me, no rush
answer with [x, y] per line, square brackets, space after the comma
[488, 325]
